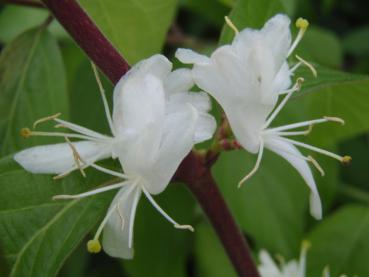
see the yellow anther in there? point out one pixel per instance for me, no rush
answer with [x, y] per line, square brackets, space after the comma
[335, 119]
[346, 160]
[25, 132]
[305, 245]
[93, 246]
[302, 23]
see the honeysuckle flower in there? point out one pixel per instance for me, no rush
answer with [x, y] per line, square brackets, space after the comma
[155, 123]
[269, 268]
[246, 78]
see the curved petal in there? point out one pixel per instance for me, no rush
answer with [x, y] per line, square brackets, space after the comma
[157, 65]
[188, 56]
[118, 231]
[177, 142]
[295, 158]
[277, 36]
[206, 124]
[138, 118]
[179, 80]
[58, 158]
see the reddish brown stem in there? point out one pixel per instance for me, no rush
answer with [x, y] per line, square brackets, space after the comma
[197, 176]
[193, 171]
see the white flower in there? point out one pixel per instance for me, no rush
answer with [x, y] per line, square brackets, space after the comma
[269, 268]
[246, 78]
[155, 123]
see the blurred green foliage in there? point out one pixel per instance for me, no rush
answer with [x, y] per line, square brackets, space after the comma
[43, 72]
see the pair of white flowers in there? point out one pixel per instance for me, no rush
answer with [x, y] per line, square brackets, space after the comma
[156, 120]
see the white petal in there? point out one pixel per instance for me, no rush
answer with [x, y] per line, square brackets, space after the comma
[176, 144]
[206, 124]
[139, 116]
[189, 56]
[267, 267]
[292, 155]
[179, 80]
[157, 65]
[282, 80]
[140, 102]
[277, 36]
[58, 158]
[120, 223]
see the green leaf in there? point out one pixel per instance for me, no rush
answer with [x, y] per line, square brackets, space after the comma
[341, 241]
[333, 93]
[211, 260]
[137, 28]
[160, 249]
[251, 14]
[32, 85]
[14, 20]
[273, 201]
[357, 41]
[321, 46]
[37, 233]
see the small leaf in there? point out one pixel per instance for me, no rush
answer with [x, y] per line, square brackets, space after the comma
[137, 28]
[32, 85]
[341, 242]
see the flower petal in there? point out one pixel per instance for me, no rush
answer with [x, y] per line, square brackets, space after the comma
[206, 124]
[179, 80]
[140, 102]
[177, 142]
[58, 158]
[189, 56]
[139, 115]
[277, 36]
[295, 158]
[116, 234]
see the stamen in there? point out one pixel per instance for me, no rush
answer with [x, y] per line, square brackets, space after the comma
[121, 216]
[296, 87]
[25, 132]
[81, 130]
[77, 157]
[103, 96]
[89, 193]
[344, 159]
[304, 248]
[309, 65]
[256, 167]
[316, 164]
[45, 119]
[305, 123]
[297, 133]
[93, 246]
[163, 213]
[132, 216]
[335, 119]
[231, 25]
[302, 24]
[108, 171]
[295, 67]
